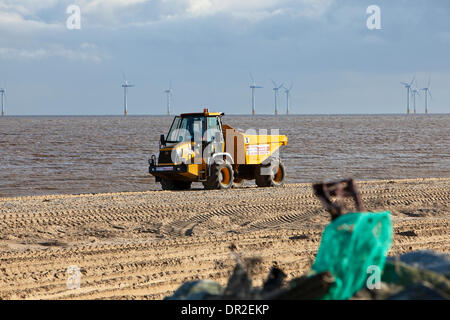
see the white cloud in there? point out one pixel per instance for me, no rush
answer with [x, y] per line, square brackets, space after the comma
[42, 19]
[13, 22]
[250, 9]
[26, 14]
[94, 5]
[110, 12]
[107, 7]
[27, 7]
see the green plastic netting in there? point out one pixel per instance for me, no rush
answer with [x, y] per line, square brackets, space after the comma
[350, 246]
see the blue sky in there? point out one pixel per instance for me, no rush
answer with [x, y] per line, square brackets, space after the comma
[208, 47]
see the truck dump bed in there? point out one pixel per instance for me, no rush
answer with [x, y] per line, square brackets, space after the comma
[251, 148]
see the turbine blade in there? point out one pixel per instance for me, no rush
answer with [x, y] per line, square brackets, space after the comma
[251, 77]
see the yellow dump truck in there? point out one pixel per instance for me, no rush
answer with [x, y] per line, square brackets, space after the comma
[199, 148]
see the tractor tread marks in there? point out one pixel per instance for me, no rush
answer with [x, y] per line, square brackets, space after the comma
[144, 245]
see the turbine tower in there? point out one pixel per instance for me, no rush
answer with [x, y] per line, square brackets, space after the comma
[125, 87]
[3, 93]
[408, 92]
[427, 92]
[253, 86]
[415, 93]
[275, 91]
[287, 91]
[169, 96]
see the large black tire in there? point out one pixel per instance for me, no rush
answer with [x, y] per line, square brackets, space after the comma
[221, 177]
[175, 185]
[276, 177]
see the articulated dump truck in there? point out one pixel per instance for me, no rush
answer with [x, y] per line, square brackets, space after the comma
[199, 148]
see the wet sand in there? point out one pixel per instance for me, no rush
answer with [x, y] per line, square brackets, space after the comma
[143, 245]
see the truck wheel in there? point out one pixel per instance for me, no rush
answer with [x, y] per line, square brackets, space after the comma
[221, 177]
[274, 179]
[174, 185]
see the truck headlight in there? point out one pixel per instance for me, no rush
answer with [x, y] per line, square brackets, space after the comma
[176, 155]
[180, 153]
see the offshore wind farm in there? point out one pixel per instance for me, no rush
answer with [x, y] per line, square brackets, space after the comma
[413, 92]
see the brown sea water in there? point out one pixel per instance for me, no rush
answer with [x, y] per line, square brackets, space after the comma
[65, 155]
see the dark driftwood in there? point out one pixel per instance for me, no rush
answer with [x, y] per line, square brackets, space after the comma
[305, 288]
[274, 280]
[239, 285]
[339, 189]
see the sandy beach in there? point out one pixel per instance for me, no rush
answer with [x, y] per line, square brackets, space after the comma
[143, 245]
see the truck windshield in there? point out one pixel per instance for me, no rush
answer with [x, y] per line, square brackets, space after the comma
[193, 128]
[186, 129]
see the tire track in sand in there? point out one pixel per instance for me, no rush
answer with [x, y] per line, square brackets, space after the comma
[144, 245]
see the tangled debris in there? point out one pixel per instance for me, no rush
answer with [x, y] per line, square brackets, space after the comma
[351, 243]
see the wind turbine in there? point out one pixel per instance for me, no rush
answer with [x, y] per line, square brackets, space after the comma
[275, 91]
[408, 92]
[3, 93]
[415, 93]
[253, 87]
[125, 87]
[287, 91]
[427, 91]
[169, 96]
